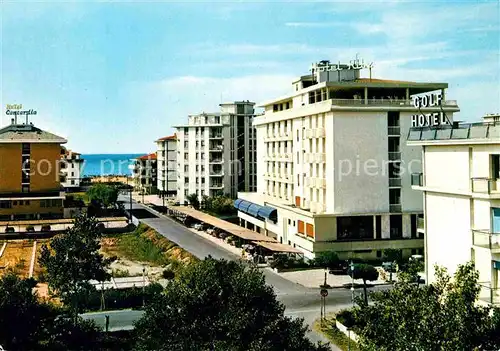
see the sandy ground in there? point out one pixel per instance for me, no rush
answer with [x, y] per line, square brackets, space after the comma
[17, 256]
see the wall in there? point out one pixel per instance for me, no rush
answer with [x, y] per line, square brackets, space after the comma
[10, 168]
[45, 176]
[448, 235]
[447, 167]
[359, 139]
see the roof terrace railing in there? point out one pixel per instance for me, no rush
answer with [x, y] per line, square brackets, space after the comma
[382, 102]
[456, 131]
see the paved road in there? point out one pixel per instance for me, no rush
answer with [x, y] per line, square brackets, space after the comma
[299, 301]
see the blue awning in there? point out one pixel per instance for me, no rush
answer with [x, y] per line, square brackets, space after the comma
[269, 213]
[256, 211]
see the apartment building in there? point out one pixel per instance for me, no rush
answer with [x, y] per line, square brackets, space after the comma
[145, 174]
[330, 160]
[460, 181]
[216, 152]
[71, 169]
[166, 156]
[29, 173]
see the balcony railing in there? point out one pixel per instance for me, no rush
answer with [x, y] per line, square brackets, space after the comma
[417, 179]
[396, 208]
[485, 185]
[394, 130]
[382, 102]
[395, 182]
[456, 131]
[216, 160]
[488, 293]
[486, 239]
[394, 156]
[216, 174]
[215, 136]
[216, 186]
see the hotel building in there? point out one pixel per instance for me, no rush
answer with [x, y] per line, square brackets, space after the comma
[460, 181]
[145, 174]
[216, 152]
[71, 169]
[330, 160]
[167, 166]
[29, 173]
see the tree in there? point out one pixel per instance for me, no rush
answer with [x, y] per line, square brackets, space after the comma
[443, 316]
[394, 256]
[219, 305]
[327, 259]
[193, 201]
[103, 195]
[28, 324]
[73, 258]
[365, 272]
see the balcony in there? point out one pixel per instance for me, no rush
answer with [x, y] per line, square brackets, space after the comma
[485, 186]
[394, 155]
[489, 294]
[420, 223]
[319, 133]
[215, 136]
[486, 239]
[417, 179]
[216, 186]
[216, 174]
[395, 208]
[216, 161]
[395, 182]
[394, 131]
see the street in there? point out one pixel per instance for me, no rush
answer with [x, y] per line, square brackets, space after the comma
[299, 301]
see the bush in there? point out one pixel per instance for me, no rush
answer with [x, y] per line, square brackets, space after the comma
[30, 228]
[346, 317]
[168, 274]
[118, 299]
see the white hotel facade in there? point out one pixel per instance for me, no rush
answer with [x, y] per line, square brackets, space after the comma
[216, 152]
[166, 156]
[328, 156]
[461, 190]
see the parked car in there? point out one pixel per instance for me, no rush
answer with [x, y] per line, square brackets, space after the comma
[389, 267]
[30, 229]
[9, 229]
[198, 226]
[342, 267]
[45, 228]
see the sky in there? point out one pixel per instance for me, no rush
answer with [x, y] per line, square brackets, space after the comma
[114, 76]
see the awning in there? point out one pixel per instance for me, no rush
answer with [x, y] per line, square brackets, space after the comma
[255, 210]
[278, 247]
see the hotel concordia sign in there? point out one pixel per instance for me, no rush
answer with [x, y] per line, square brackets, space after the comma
[17, 110]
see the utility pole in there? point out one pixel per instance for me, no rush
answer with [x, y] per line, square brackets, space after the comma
[143, 285]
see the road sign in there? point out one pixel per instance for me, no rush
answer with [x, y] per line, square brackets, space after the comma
[324, 292]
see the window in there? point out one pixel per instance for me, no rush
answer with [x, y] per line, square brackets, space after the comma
[289, 221]
[300, 228]
[495, 166]
[186, 145]
[26, 148]
[186, 180]
[310, 230]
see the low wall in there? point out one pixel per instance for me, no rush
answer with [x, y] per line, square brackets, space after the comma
[345, 330]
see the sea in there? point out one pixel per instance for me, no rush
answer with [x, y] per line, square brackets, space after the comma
[107, 164]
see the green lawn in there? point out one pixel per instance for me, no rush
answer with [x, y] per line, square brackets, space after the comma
[144, 244]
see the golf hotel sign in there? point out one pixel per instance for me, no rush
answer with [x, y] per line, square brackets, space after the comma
[430, 119]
